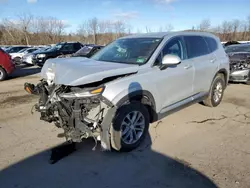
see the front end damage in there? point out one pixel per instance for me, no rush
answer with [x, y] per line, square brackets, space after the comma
[79, 110]
[240, 70]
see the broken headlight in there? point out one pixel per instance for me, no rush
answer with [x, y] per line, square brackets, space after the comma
[84, 93]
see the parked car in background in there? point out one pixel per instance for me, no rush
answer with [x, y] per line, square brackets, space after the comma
[240, 67]
[85, 51]
[135, 80]
[230, 43]
[61, 48]
[239, 55]
[237, 48]
[15, 49]
[16, 57]
[28, 58]
[6, 65]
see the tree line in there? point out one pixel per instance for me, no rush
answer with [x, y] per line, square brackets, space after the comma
[234, 30]
[30, 30]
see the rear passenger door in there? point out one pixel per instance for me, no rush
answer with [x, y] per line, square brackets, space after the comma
[203, 61]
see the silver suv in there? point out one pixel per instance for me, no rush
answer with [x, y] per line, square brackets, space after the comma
[134, 81]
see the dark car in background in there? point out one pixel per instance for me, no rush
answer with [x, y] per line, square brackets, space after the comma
[239, 56]
[62, 48]
[6, 65]
[15, 49]
[28, 58]
[238, 48]
[85, 51]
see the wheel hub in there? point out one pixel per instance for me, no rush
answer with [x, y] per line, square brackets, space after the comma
[218, 89]
[132, 127]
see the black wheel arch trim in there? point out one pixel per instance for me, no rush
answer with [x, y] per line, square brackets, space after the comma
[141, 94]
[226, 74]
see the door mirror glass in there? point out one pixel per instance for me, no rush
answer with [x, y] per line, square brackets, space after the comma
[171, 59]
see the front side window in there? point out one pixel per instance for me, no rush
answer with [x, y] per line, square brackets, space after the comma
[196, 46]
[128, 50]
[175, 47]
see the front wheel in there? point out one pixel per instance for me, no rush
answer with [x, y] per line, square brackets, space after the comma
[129, 127]
[216, 91]
[3, 74]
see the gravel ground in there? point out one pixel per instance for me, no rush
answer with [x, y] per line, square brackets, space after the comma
[195, 147]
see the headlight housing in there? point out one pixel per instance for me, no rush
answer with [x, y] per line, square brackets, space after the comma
[83, 94]
[41, 55]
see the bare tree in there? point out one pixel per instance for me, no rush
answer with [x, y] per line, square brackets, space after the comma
[160, 29]
[169, 27]
[248, 26]
[24, 22]
[119, 28]
[93, 27]
[205, 25]
[235, 25]
[148, 30]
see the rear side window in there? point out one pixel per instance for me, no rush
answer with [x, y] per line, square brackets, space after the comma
[77, 46]
[212, 44]
[68, 47]
[196, 46]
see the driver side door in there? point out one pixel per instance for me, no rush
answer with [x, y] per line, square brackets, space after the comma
[175, 83]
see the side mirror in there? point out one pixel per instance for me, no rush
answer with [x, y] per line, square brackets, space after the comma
[171, 60]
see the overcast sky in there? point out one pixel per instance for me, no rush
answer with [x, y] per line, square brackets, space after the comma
[182, 14]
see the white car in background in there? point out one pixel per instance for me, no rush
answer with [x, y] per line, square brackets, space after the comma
[16, 57]
[27, 58]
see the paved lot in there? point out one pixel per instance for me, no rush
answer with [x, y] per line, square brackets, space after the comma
[195, 147]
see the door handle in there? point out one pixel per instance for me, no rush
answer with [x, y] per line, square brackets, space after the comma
[212, 60]
[187, 66]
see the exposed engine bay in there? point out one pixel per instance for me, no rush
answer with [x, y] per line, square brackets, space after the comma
[240, 67]
[239, 61]
[79, 111]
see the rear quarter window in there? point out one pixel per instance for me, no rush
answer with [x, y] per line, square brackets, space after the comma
[196, 46]
[212, 44]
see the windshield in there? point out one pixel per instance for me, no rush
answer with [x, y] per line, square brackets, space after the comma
[238, 48]
[23, 50]
[15, 49]
[58, 46]
[84, 50]
[128, 50]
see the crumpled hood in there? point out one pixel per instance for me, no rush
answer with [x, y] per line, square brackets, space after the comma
[78, 70]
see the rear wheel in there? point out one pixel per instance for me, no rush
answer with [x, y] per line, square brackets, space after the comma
[216, 91]
[3, 74]
[129, 127]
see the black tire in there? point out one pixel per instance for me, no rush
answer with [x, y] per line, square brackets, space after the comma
[116, 140]
[3, 74]
[210, 101]
[17, 60]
